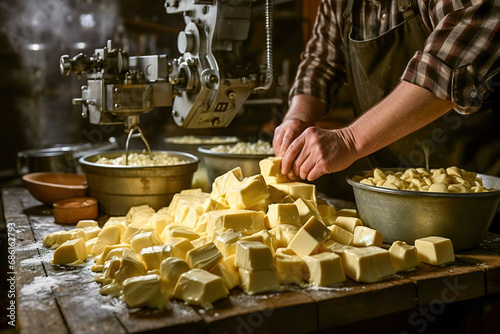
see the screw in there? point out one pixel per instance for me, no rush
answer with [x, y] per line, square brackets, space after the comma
[117, 106]
[473, 94]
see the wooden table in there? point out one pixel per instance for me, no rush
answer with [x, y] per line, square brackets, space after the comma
[60, 299]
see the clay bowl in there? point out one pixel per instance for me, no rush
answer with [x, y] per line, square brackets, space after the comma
[72, 210]
[50, 187]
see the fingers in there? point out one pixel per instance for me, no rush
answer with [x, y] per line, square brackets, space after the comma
[291, 154]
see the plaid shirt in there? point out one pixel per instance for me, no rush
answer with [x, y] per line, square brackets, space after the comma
[460, 56]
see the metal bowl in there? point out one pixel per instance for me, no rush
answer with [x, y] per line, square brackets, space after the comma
[117, 188]
[408, 215]
[218, 163]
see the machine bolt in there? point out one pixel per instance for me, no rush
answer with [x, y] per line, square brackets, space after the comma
[473, 94]
[215, 122]
[117, 90]
[204, 10]
[212, 78]
[117, 106]
[175, 113]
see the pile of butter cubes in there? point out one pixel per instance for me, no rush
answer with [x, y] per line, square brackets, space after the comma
[256, 233]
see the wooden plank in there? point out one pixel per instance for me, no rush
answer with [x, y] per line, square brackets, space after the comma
[37, 310]
[351, 301]
[458, 281]
[275, 312]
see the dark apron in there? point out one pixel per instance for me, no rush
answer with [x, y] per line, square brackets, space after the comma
[374, 68]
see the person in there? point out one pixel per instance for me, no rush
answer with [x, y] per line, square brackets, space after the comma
[420, 74]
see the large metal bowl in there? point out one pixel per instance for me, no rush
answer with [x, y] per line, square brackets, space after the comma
[117, 188]
[218, 163]
[408, 215]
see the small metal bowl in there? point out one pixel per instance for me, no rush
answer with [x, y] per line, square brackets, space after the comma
[408, 215]
[117, 188]
[218, 163]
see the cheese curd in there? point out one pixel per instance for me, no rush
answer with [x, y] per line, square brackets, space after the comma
[143, 159]
[443, 180]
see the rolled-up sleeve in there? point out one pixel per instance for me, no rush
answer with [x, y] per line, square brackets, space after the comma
[461, 54]
[322, 69]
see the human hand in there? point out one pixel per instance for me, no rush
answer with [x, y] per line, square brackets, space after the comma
[317, 151]
[286, 133]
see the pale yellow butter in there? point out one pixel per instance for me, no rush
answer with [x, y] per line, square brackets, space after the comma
[333, 246]
[244, 221]
[131, 265]
[122, 224]
[228, 272]
[101, 258]
[435, 250]
[223, 183]
[145, 291]
[253, 256]
[348, 223]
[89, 245]
[145, 239]
[297, 190]
[153, 256]
[253, 282]
[205, 257]
[71, 251]
[262, 236]
[340, 235]
[108, 273]
[290, 268]
[404, 257]
[249, 192]
[282, 214]
[180, 246]
[135, 210]
[285, 234]
[90, 232]
[366, 236]
[87, 223]
[307, 209]
[270, 168]
[172, 268]
[326, 210]
[211, 204]
[309, 237]
[160, 220]
[134, 229]
[226, 242]
[199, 287]
[348, 213]
[55, 239]
[324, 269]
[108, 236]
[367, 264]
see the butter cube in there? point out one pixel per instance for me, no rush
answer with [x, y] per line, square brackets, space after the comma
[297, 190]
[108, 236]
[114, 252]
[131, 265]
[118, 220]
[160, 220]
[108, 272]
[122, 224]
[287, 199]
[153, 256]
[133, 211]
[179, 231]
[71, 251]
[55, 239]
[180, 246]
[282, 214]
[435, 250]
[253, 256]
[145, 291]
[307, 209]
[276, 195]
[90, 232]
[404, 257]
[348, 223]
[172, 268]
[324, 269]
[285, 234]
[132, 230]
[326, 210]
[270, 168]
[226, 182]
[367, 264]
[101, 258]
[226, 242]
[365, 236]
[87, 223]
[253, 282]
[145, 239]
[262, 236]
[228, 272]
[199, 287]
[249, 192]
[309, 237]
[89, 245]
[211, 204]
[204, 257]
[333, 246]
[290, 269]
[348, 213]
[193, 215]
[201, 241]
[244, 221]
[340, 235]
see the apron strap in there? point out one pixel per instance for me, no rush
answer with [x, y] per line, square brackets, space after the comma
[406, 8]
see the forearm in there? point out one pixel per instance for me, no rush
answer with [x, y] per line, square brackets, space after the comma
[407, 109]
[305, 108]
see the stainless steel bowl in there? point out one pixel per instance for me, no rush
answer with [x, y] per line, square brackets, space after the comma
[117, 188]
[408, 215]
[218, 163]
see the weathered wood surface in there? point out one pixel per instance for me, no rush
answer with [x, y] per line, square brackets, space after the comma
[63, 299]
